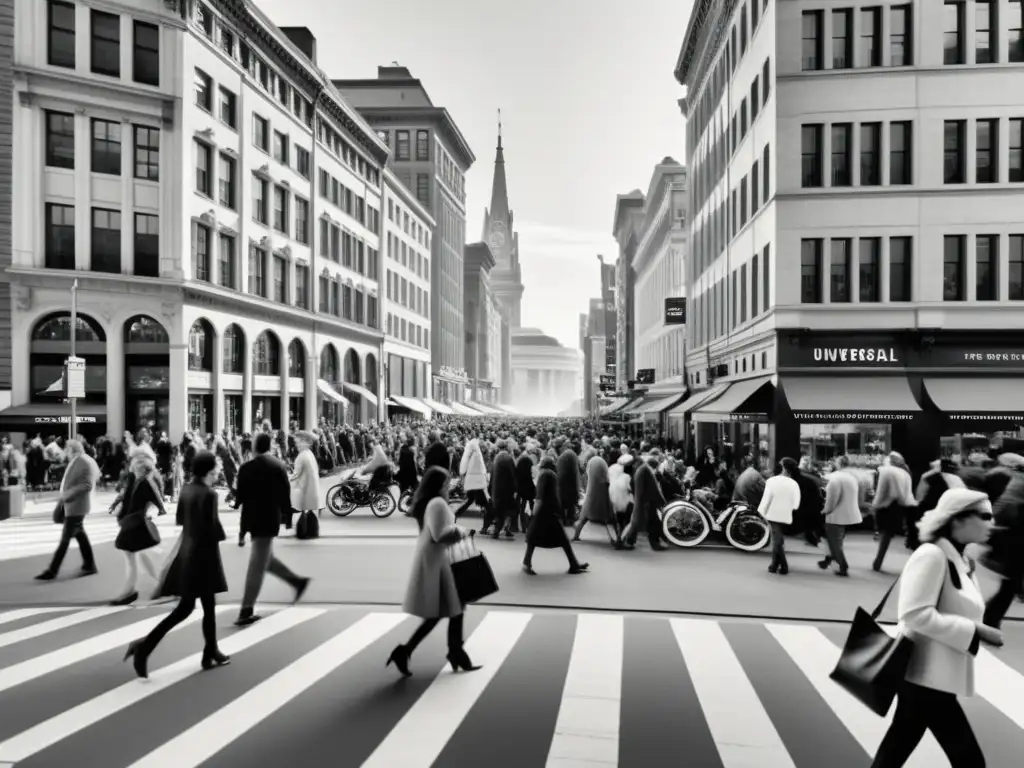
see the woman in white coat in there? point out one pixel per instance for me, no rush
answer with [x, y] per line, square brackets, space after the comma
[941, 610]
[473, 469]
[306, 479]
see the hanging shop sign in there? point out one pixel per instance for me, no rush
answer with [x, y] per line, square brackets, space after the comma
[675, 311]
[607, 382]
[645, 376]
[808, 350]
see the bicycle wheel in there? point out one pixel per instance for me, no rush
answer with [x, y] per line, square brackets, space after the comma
[383, 504]
[337, 503]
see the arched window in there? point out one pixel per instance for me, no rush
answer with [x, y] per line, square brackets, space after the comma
[234, 350]
[144, 330]
[200, 346]
[371, 373]
[58, 328]
[352, 367]
[297, 359]
[329, 364]
[266, 355]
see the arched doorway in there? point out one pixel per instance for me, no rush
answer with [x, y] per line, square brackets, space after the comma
[233, 372]
[266, 379]
[353, 369]
[49, 347]
[330, 372]
[201, 338]
[147, 375]
[297, 376]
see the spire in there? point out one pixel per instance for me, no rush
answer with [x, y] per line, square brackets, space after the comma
[499, 188]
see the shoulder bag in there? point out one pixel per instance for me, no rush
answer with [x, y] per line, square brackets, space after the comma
[474, 579]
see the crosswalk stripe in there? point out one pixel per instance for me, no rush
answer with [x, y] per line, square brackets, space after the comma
[39, 737]
[816, 656]
[16, 674]
[739, 724]
[587, 728]
[421, 735]
[199, 743]
[18, 614]
[56, 625]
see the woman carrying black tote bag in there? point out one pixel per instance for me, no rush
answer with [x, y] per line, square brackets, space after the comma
[940, 613]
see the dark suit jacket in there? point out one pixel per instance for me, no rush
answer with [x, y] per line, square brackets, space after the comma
[264, 494]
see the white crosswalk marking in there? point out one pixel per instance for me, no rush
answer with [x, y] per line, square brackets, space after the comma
[55, 625]
[587, 729]
[742, 730]
[58, 728]
[1001, 686]
[202, 741]
[18, 614]
[421, 735]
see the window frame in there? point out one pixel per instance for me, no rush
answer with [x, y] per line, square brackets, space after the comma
[145, 58]
[99, 240]
[97, 42]
[142, 153]
[56, 54]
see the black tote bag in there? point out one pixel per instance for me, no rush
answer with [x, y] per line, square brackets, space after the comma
[873, 663]
[474, 579]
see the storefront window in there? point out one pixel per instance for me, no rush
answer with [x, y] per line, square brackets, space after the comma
[865, 444]
[975, 448]
[149, 377]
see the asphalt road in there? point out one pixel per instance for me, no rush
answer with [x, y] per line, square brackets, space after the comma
[307, 686]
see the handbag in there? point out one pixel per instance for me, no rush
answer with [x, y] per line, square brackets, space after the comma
[137, 533]
[58, 513]
[474, 579]
[873, 664]
[307, 526]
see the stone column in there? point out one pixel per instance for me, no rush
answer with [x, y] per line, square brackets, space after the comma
[283, 426]
[115, 382]
[217, 386]
[247, 424]
[312, 396]
[177, 410]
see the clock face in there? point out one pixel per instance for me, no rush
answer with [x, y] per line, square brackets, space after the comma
[497, 239]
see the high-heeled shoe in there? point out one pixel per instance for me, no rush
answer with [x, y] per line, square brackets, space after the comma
[213, 659]
[400, 658]
[139, 659]
[461, 662]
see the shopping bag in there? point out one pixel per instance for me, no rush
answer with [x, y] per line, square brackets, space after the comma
[307, 526]
[873, 664]
[474, 579]
[137, 533]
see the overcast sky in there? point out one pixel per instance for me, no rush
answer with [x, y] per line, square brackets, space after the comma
[588, 106]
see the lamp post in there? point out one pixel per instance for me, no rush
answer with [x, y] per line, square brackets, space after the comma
[73, 424]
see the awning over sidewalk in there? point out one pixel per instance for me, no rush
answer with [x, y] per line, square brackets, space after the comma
[360, 390]
[484, 408]
[463, 410]
[617, 404]
[656, 405]
[850, 399]
[746, 400]
[978, 398]
[509, 410]
[330, 392]
[696, 398]
[437, 407]
[412, 404]
[30, 414]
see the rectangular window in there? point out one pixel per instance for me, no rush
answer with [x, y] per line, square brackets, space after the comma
[953, 267]
[810, 271]
[986, 265]
[301, 221]
[901, 46]
[227, 259]
[204, 163]
[61, 34]
[301, 286]
[842, 38]
[227, 181]
[900, 153]
[811, 52]
[839, 271]
[953, 32]
[60, 236]
[280, 271]
[147, 153]
[281, 147]
[842, 175]
[203, 85]
[146, 54]
[1016, 156]
[743, 29]
[228, 108]
[257, 279]
[870, 160]
[870, 53]
[954, 151]
[743, 119]
[766, 81]
[811, 155]
[755, 188]
[302, 161]
[105, 45]
[1015, 30]
[147, 245]
[986, 151]
[259, 199]
[401, 145]
[422, 146]
[260, 131]
[869, 269]
[281, 209]
[1015, 265]
[324, 291]
[765, 170]
[106, 147]
[60, 140]
[766, 276]
[900, 268]
[986, 32]
[423, 188]
[755, 288]
[743, 201]
[106, 241]
[200, 253]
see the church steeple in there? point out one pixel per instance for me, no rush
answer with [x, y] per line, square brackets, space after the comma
[499, 187]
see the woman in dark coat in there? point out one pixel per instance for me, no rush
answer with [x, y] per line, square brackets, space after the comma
[503, 493]
[568, 485]
[525, 488]
[407, 477]
[546, 529]
[647, 493]
[202, 574]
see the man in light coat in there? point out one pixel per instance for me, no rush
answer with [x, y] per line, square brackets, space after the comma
[76, 489]
[780, 500]
[842, 508]
[894, 494]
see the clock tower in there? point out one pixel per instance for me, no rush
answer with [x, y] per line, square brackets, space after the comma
[500, 235]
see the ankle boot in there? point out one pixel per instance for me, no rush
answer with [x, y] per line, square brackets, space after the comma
[400, 658]
[214, 658]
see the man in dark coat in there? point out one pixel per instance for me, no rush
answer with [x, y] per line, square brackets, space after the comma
[503, 492]
[569, 484]
[648, 501]
[525, 488]
[264, 494]
[437, 454]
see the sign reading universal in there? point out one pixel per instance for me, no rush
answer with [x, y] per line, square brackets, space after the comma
[855, 355]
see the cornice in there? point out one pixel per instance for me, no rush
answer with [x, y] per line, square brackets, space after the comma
[134, 101]
[708, 23]
[433, 116]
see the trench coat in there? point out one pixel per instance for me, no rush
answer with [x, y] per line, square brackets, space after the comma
[503, 484]
[545, 530]
[648, 501]
[202, 572]
[568, 483]
[597, 504]
[431, 592]
[306, 483]
[524, 478]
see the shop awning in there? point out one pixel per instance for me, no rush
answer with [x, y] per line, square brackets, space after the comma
[462, 410]
[850, 399]
[617, 404]
[360, 390]
[741, 401]
[695, 399]
[657, 405]
[53, 413]
[632, 407]
[412, 404]
[330, 392]
[437, 407]
[484, 408]
[509, 410]
[978, 399]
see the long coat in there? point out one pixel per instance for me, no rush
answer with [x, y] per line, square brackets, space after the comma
[472, 467]
[545, 530]
[199, 555]
[524, 478]
[306, 483]
[503, 484]
[648, 500]
[568, 483]
[597, 505]
[431, 592]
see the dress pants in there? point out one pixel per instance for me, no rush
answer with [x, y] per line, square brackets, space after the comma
[73, 528]
[779, 546]
[261, 562]
[182, 611]
[919, 709]
[834, 535]
[455, 624]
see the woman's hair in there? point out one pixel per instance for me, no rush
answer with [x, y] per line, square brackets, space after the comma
[429, 489]
[203, 464]
[548, 463]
